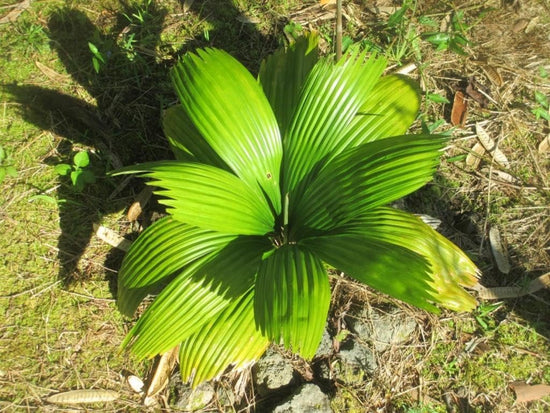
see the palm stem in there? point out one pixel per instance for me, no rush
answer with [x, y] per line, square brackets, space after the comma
[338, 29]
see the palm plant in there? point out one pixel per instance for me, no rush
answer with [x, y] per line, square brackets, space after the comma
[276, 178]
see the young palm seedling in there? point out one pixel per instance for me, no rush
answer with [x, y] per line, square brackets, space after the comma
[276, 177]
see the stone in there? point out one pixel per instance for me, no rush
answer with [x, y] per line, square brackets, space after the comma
[272, 372]
[325, 347]
[358, 360]
[383, 329]
[308, 398]
[197, 399]
[226, 398]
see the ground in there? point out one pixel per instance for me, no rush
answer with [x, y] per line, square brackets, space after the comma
[80, 76]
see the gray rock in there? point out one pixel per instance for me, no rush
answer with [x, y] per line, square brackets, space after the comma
[272, 372]
[383, 329]
[308, 398]
[325, 348]
[322, 369]
[226, 398]
[359, 357]
[192, 400]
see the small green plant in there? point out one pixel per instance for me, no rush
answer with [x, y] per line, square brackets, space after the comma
[98, 60]
[483, 315]
[79, 171]
[36, 40]
[405, 37]
[293, 30]
[454, 39]
[543, 108]
[140, 15]
[436, 98]
[276, 177]
[398, 38]
[6, 168]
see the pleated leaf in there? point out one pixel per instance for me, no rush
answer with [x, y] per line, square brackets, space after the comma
[283, 74]
[449, 266]
[129, 299]
[186, 141]
[208, 197]
[230, 339]
[166, 247]
[196, 296]
[389, 268]
[330, 99]
[388, 110]
[367, 176]
[292, 299]
[161, 251]
[229, 109]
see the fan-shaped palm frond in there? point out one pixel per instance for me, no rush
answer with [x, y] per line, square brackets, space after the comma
[275, 177]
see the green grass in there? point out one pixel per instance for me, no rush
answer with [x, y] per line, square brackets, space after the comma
[61, 329]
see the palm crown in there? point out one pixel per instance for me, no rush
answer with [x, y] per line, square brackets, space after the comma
[276, 177]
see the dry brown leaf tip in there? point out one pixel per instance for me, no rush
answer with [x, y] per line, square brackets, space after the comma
[135, 383]
[15, 12]
[493, 74]
[160, 374]
[520, 25]
[112, 238]
[529, 392]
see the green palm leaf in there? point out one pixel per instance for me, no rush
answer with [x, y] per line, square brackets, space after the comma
[231, 338]
[283, 74]
[449, 266]
[129, 299]
[207, 197]
[389, 109]
[330, 99]
[392, 269]
[176, 245]
[367, 176]
[234, 117]
[292, 299]
[186, 141]
[196, 296]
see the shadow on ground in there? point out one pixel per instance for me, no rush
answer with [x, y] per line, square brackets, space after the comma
[119, 117]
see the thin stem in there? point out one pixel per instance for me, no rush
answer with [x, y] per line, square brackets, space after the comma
[338, 29]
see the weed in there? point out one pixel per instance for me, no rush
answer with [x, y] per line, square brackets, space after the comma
[79, 172]
[454, 39]
[436, 98]
[293, 30]
[6, 168]
[543, 108]
[36, 39]
[483, 315]
[97, 57]
[398, 38]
